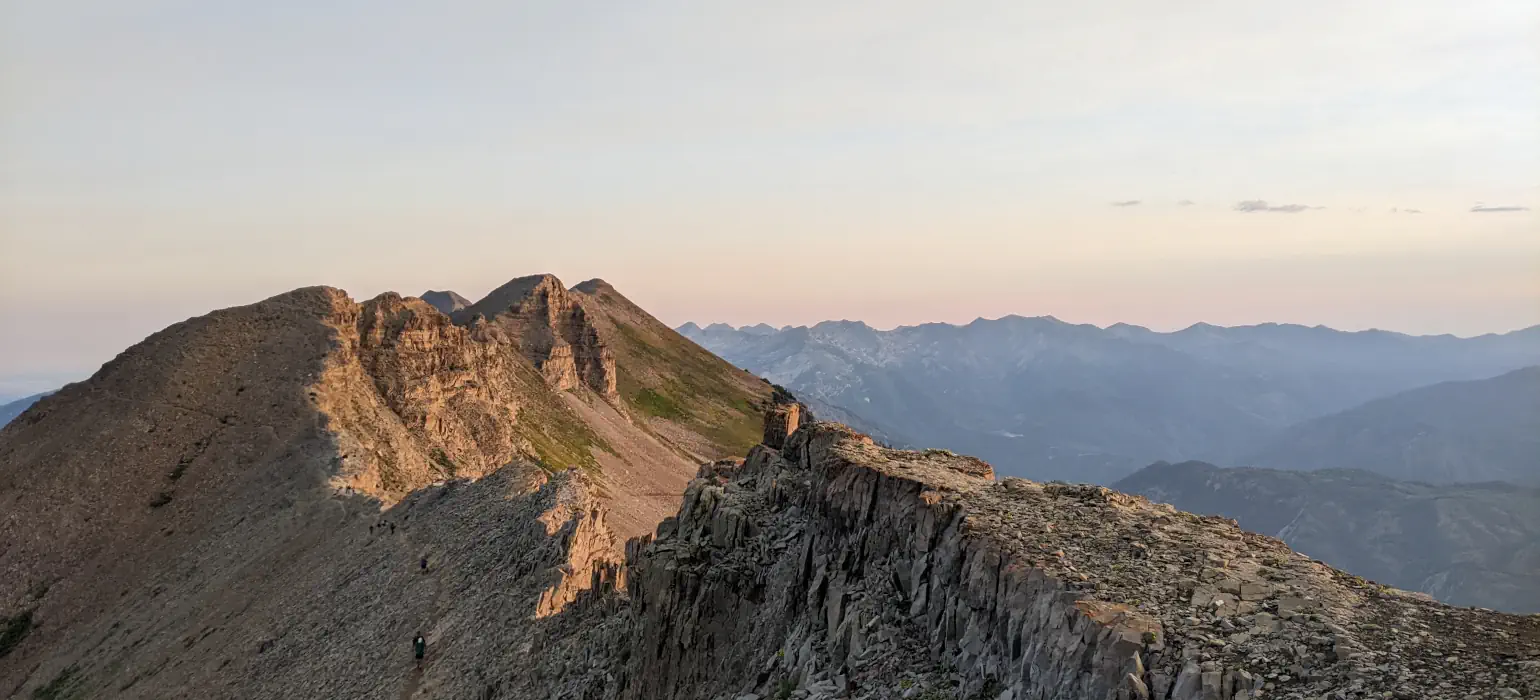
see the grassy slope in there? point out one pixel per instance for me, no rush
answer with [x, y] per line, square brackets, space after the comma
[559, 437]
[666, 376]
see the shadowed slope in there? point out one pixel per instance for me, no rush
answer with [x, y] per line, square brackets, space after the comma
[1471, 431]
[1471, 544]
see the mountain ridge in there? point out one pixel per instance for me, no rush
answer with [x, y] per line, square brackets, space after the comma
[1450, 432]
[447, 302]
[1466, 544]
[1119, 325]
[1049, 400]
[273, 500]
[9, 411]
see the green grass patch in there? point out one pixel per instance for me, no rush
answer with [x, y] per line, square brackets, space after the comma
[690, 386]
[739, 434]
[13, 629]
[560, 439]
[653, 403]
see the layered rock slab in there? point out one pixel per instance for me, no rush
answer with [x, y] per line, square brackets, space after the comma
[842, 569]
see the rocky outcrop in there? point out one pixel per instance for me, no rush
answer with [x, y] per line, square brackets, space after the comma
[836, 568]
[552, 329]
[592, 551]
[445, 399]
[780, 423]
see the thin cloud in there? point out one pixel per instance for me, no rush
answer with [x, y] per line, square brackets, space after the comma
[1186, 203]
[1490, 209]
[1256, 205]
[1127, 203]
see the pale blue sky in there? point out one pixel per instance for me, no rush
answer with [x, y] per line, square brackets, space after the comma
[786, 162]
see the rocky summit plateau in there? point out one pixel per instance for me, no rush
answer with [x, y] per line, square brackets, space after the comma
[566, 499]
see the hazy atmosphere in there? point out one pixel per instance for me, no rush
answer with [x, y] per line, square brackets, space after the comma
[1001, 350]
[896, 162]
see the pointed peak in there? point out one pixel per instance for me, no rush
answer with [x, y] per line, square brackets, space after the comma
[688, 328]
[844, 324]
[594, 286]
[512, 293]
[447, 302]
[544, 279]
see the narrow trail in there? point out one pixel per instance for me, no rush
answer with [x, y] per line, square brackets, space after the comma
[430, 613]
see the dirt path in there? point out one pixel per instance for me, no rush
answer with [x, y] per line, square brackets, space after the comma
[431, 612]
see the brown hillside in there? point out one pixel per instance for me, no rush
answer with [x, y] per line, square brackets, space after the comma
[592, 335]
[177, 489]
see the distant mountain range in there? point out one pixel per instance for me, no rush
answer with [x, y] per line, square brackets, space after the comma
[15, 408]
[1474, 544]
[1045, 399]
[447, 302]
[1470, 431]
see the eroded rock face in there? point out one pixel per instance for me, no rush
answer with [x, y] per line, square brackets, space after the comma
[593, 553]
[780, 423]
[552, 329]
[836, 568]
[414, 398]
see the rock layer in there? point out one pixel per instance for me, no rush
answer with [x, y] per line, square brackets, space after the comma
[553, 330]
[836, 568]
[780, 423]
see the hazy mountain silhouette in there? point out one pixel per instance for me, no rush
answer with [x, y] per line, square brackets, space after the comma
[1471, 544]
[1045, 399]
[1462, 431]
[15, 408]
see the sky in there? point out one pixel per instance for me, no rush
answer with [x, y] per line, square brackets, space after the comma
[1342, 162]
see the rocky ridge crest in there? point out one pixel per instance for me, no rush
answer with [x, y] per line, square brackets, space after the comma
[242, 482]
[552, 328]
[836, 568]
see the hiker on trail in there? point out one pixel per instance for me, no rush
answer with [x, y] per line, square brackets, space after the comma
[419, 647]
[424, 563]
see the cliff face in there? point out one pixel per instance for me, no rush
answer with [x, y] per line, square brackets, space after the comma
[846, 570]
[414, 398]
[552, 329]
